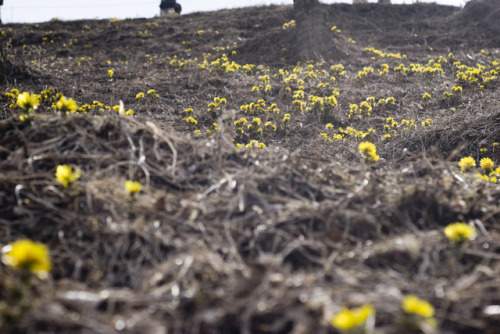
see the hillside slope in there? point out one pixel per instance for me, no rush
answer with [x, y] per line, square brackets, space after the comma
[257, 211]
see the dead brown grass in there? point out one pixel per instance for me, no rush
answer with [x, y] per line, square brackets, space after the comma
[243, 241]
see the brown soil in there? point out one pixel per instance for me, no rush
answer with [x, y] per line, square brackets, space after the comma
[274, 240]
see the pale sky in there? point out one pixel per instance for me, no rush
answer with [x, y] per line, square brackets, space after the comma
[31, 11]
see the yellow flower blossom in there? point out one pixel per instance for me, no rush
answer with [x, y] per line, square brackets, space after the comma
[487, 164]
[27, 101]
[348, 319]
[66, 175]
[413, 305]
[152, 93]
[458, 232]
[427, 122]
[191, 120]
[467, 163]
[132, 187]
[369, 151]
[64, 104]
[111, 73]
[286, 118]
[426, 96]
[27, 255]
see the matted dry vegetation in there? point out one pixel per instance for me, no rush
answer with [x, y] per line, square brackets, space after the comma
[226, 239]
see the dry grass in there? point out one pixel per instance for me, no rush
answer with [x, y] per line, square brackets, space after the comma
[225, 240]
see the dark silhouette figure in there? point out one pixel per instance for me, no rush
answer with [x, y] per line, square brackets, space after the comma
[166, 5]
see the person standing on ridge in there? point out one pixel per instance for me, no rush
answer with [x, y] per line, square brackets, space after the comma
[168, 6]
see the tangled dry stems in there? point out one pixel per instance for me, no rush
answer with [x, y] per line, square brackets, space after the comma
[227, 241]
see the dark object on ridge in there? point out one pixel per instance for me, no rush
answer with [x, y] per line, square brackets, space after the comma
[165, 5]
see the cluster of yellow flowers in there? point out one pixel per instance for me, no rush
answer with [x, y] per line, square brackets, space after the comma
[151, 93]
[418, 314]
[310, 88]
[255, 144]
[479, 76]
[384, 54]
[215, 107]
[289, 25]
[336, 30]
[28, 103]
[363, 74]
[487, 165]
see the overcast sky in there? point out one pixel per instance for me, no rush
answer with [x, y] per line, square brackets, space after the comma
[30, 11]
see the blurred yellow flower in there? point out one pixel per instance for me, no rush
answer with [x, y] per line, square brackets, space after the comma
[64, 104]
[111, 73]
[66, 175]
[369, 151]
[413, 305]
[457, 232]
[132, 187]
[348, 319]
[27, 255]
[191, 120]
[467, 163]
[27, 101]
[426, 96]
[487, 164]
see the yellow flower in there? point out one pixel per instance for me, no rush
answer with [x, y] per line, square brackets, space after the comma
[348, 319]
[139, 96]
[427, 122]
[487, 164]
[27, 101]
[369, 151]
[191, 120]
[111, 73]
[426, 96]
[286, 118]
[390, 100]
[413, 305]
[458, 232]
[66, 175]
[64, 104]
[28, 255]
[132, 187]
[467, 163]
